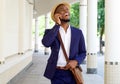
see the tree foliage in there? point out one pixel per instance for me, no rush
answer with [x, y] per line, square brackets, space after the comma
[101, 25]
[74, 15]
[101, 16]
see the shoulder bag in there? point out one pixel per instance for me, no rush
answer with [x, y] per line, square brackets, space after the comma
[77, 72]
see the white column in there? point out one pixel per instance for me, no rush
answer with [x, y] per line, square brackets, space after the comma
[46, 52]
[83, 18]
[92, 37]
[36, 34]
[112, 42]
[21, 26]
[30, 25]
[2, 25]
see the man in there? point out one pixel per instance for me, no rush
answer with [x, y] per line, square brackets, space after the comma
[57, 70]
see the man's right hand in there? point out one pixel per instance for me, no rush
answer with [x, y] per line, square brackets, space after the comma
[71, 64]
[57, 18]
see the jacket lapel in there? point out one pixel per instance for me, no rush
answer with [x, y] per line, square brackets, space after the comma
[72, 41]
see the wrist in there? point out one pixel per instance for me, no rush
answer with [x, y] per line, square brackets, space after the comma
[57, 23]
[76, 62]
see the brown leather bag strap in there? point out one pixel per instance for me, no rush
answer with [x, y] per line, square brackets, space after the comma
[63, 48]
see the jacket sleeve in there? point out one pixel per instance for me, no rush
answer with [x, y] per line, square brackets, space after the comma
[50, 36]
[82, 50]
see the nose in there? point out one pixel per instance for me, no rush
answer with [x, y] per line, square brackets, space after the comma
[66, 11]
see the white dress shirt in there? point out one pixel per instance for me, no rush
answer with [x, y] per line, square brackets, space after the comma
[66, 38]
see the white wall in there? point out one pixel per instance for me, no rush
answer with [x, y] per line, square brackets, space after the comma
[15, 37]
[11, 28]
[10, 25]
[27, 27]
[2, 21]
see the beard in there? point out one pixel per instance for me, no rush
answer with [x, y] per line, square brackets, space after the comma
[65, 20]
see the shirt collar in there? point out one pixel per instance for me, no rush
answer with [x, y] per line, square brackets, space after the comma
[62, 29]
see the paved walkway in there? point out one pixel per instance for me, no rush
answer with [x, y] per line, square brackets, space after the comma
[34, 74]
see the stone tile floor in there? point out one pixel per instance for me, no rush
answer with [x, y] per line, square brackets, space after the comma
[34, 74]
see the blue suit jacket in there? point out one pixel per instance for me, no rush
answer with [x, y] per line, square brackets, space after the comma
[77, 48]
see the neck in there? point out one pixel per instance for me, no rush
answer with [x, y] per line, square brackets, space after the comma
[65, 26]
